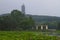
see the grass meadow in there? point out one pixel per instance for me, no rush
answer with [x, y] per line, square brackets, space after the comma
[25, 35]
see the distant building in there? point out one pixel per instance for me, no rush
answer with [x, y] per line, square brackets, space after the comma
[45, 27]
[23, 9]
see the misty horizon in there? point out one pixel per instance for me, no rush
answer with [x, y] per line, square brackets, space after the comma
[33, 7]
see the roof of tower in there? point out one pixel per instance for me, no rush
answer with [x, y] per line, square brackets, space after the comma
[23, 4]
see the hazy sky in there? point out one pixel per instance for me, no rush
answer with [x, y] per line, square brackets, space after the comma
[35, 7]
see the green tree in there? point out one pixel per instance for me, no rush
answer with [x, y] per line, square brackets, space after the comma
[16, 21]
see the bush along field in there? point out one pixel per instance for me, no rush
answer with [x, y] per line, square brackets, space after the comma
[17, 35]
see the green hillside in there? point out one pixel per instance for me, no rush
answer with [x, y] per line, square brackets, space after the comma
[16, 20]
[51, 21]
[39, 18]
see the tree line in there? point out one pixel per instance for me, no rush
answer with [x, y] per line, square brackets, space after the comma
[16, 20]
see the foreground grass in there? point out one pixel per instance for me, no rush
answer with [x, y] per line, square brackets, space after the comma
[24, 35]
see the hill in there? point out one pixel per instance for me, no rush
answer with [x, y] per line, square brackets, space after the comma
[51, 21]
[38, 18]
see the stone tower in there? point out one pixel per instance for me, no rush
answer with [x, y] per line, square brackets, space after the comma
[23, 9]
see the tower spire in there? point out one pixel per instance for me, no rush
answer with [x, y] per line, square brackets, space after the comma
[23, 8]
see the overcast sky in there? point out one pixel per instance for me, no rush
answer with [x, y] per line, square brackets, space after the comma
[35, 7]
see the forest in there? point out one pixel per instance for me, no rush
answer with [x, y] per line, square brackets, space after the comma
[16, 20]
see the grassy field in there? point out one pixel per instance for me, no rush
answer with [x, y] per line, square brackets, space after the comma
[25, 35]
